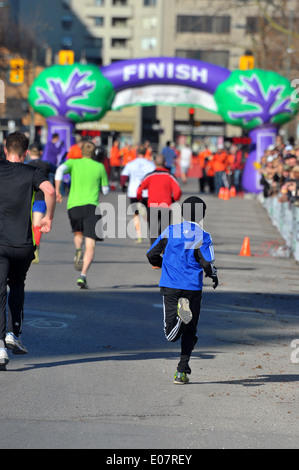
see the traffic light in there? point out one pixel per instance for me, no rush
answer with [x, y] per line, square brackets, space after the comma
[191, 115]
[246, 61]
[66, 57]
[16, 73]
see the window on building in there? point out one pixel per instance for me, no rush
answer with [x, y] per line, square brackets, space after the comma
[149, 23]
[148, 44]
[214, 57]
[93, 42]
[122, 3]
[98, 20]
[119, 22]
[118, 43]
[67, 22]
[252, 24]
[149, 3]
[203, 24]
[99, 3]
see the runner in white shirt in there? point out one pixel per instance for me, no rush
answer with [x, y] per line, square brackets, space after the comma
[134, 172]
[185, 161]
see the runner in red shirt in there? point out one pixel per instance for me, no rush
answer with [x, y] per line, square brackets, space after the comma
[163, 190]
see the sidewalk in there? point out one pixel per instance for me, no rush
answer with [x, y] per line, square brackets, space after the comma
[99, 373]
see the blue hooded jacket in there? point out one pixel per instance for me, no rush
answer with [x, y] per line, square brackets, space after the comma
[181, 268]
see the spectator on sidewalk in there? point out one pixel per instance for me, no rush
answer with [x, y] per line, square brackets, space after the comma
[170, 156]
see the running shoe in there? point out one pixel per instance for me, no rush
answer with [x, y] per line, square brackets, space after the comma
[15, 344]
[184, 311]
[78, 260]
[36, 256]
[180, 378]
[81, 282]
[4, 359]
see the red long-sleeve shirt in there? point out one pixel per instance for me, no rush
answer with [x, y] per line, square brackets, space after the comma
[162, 187]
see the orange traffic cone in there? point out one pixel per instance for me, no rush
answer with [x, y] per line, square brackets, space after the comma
[221, 193]
[226, 194]
[245, 250]
[232, 192]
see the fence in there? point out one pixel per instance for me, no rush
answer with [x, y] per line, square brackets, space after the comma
[285, 217]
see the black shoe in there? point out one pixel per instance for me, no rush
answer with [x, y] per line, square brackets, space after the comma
[81, 282]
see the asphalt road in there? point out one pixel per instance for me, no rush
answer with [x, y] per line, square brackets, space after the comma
[99, 373]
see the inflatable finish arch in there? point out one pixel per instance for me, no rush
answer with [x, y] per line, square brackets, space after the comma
[257, 100]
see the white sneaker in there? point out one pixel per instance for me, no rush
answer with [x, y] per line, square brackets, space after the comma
[184, 311]
[4, 359]
[15, 344]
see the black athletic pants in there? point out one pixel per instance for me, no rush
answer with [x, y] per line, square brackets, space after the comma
[173, 326]
[14, 265]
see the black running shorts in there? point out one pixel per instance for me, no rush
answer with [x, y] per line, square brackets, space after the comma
[84, 219]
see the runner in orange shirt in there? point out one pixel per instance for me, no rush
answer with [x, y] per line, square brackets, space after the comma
[115, 165]
[220, 165]
[210, 173]
[75, 150]
[229, 169]
[128, 154]
[202, 160]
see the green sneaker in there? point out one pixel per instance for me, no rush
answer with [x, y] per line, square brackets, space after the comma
[180, 378]
[184, 311]
[78, 260]
[81, 282]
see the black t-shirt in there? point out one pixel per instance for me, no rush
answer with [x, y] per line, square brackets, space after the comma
[45, 168]
[18, 182]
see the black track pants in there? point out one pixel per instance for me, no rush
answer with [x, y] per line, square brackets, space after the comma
[174, 329]
[14, 264]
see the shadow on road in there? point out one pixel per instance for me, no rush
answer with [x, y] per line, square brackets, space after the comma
[91, 322]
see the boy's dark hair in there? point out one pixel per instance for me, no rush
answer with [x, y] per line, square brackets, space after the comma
[193, 209]
[17, 143]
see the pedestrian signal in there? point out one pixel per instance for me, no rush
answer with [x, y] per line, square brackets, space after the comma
[66, 57]
[16, 73]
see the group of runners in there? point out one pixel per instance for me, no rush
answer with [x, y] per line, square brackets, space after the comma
[183, 250]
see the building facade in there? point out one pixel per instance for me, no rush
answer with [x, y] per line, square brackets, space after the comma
[105, 31]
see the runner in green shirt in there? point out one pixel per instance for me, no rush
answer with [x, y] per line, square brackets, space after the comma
[88, 177]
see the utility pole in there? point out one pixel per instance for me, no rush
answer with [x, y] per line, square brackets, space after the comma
[32, 112]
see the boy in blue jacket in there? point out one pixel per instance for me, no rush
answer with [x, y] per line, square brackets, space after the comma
[187, 251]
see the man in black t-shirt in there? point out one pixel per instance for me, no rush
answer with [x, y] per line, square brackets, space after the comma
[18, 182]
[39, 205]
